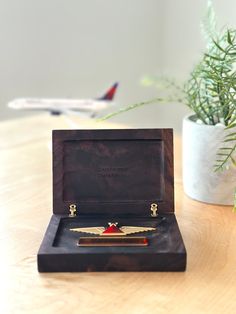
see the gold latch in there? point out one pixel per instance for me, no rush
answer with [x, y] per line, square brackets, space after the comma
[154, 208]
[72, 209]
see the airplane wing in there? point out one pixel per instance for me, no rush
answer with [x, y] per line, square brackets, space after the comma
[71, 112]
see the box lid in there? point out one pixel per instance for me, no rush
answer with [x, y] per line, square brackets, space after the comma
[113, 172]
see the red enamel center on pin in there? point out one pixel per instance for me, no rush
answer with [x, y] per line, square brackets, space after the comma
[112, 229]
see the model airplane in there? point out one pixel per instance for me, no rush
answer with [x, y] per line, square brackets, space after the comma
[65, 106]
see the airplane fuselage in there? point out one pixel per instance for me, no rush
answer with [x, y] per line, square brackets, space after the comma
[58, 105]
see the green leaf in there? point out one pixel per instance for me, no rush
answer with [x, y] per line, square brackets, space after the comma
[229, 140]
[218, 167]
[229, 39]
[234, 209]
[231, 134]
[233, 160]
[233, 125]
[214, 57]
[229, 156]
[208, 23]
[218, 46]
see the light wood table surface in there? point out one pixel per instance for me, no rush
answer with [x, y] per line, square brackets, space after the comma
[209, 232]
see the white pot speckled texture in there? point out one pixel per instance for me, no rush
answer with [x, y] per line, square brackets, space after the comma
[200, 146]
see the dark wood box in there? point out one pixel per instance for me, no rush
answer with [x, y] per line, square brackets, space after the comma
[112, 175]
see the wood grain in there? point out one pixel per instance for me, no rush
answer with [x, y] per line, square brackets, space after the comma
[209, 232]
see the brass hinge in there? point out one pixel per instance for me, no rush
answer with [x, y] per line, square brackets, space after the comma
[154, 208]
[72, 209]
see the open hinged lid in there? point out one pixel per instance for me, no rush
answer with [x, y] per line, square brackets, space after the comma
[113, 172]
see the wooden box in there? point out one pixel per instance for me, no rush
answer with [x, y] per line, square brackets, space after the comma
[112, 176]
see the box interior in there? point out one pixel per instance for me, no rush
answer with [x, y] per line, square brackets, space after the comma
[164, 238]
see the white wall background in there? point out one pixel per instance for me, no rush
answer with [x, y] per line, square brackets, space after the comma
[76, 48]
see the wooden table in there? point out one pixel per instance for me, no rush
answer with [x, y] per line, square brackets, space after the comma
[209, 232]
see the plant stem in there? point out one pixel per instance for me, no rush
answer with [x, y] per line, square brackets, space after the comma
[130, 107]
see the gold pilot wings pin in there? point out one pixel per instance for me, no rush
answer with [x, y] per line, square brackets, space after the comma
[113, 230]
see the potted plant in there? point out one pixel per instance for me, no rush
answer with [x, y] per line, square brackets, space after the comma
[209, 134]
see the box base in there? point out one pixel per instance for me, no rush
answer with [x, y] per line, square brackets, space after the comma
[59, 251]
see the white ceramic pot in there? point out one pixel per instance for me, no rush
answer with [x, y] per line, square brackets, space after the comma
[200, 146]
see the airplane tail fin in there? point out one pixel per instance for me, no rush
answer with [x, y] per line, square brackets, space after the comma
[109, 95]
